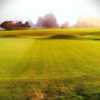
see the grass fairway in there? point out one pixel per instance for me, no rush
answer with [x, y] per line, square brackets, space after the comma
[73, 63]
[48, 58]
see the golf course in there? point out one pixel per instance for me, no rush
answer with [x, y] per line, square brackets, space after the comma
[44, 68]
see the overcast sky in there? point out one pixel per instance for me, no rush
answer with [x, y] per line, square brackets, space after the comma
[64, 10]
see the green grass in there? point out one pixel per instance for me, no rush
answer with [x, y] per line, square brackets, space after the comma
[53, 31]
[70, 67]
[29, 58]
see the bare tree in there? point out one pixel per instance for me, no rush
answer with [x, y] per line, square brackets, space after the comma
[40, 22]
[48, 21]
[88, 22]
[65, 25]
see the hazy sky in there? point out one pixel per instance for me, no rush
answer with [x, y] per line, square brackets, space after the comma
[65, 10]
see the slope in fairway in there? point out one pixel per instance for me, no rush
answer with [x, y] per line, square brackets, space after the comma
[48, 58]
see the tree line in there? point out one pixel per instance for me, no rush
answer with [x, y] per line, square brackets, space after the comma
[48, 21]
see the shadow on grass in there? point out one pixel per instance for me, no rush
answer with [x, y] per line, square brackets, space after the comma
[69, 37]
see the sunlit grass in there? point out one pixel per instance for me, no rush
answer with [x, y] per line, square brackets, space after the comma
[55, 31]
[48, 59]
[31, 64]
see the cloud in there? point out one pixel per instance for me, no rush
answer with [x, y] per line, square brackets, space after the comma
[96, 4]
[3, 3]
[64, 9]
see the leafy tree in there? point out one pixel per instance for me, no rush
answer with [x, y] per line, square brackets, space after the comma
[8, 25]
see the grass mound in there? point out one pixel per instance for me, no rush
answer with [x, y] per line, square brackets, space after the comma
[63, 37]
